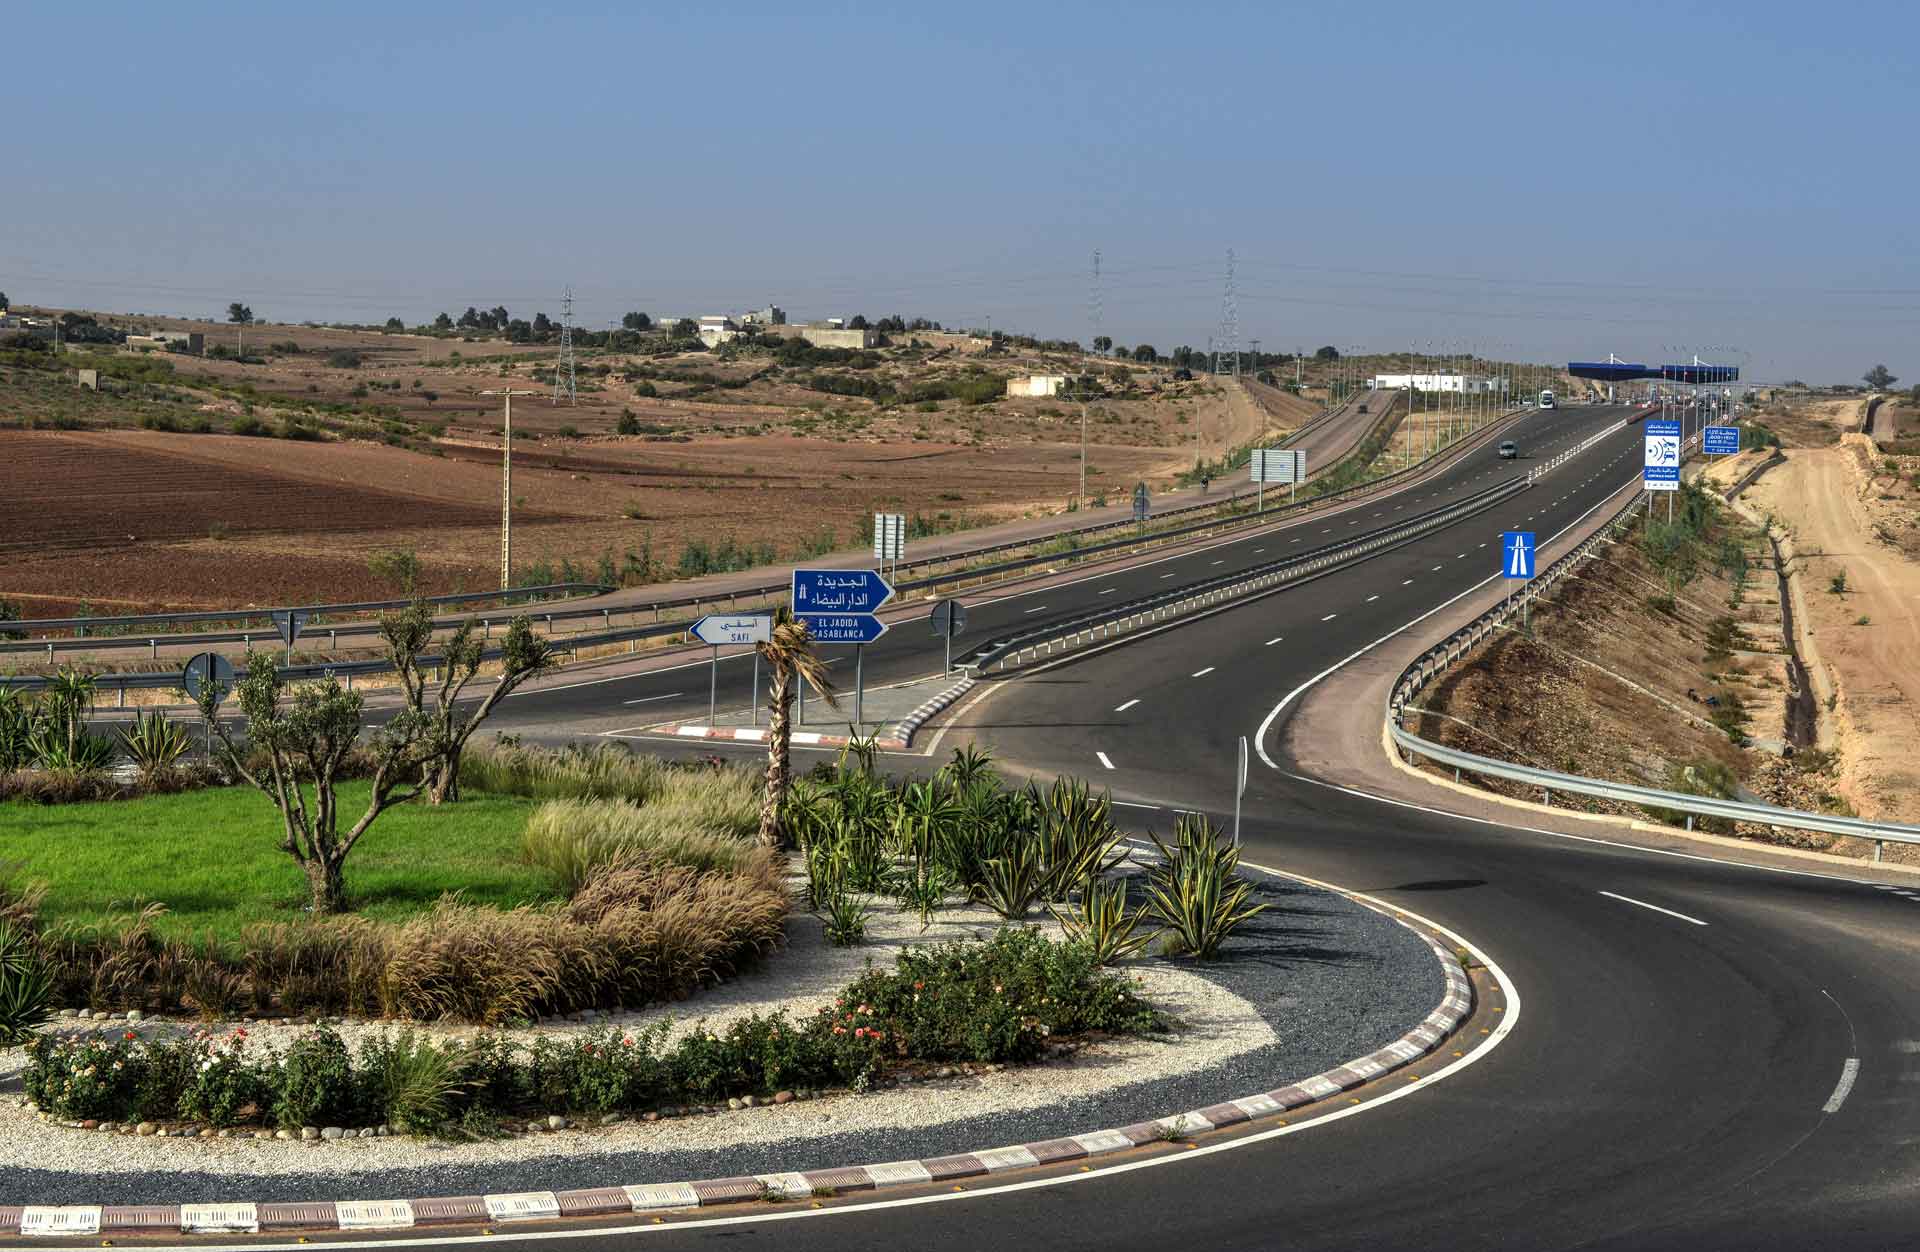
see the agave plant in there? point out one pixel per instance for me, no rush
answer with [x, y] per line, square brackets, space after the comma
[1103, 921]
[16, 727]
[1015, 880]
[1078, 839]
[1194, 893]
[26, 987]
[154, 742]
[968, 766]
[56, 747]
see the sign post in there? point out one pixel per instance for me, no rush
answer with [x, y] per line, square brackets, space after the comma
[949, 618]
[1239, 789]
[1516, 557]
[287, 625]
[889, 539]
[1661, 469]
[838, 606]
[1720, 440]
[1140, 505]
[716, 629]
[1276, 465]
[204, 670]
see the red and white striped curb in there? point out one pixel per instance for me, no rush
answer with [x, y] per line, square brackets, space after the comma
[899, 739]
[347, 1215]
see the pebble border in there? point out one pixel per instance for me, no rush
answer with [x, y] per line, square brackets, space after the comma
[362, 1215]
[900, 736]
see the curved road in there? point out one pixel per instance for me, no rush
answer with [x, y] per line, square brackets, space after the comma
[1676, 1080]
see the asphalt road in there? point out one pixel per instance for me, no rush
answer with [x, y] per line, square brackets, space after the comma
[1676, 1079]
[909, 651]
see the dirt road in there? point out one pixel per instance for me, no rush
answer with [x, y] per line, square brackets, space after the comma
[1867, 637]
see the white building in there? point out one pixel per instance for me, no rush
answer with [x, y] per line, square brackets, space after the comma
[717, 330]
[1464, 384]
[1037, 385]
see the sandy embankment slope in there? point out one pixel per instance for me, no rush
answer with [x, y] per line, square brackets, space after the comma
[1819, 494]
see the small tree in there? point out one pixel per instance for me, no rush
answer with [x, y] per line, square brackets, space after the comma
[626, 423]
[307, 738]
[636, 321]
[239, 314]
[1102, 343]
[395, 324]
[1879, 379]
[443, 322]
[399, 566]
[431, 692]
[788, 654]
[1328, 353]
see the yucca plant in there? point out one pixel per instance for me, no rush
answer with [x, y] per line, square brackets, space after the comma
[844, 915]
[154, 742]
[60, 748]
[923, 887]
[1194, 893]
[1103, 921]
[969, 766]
[16, 728]
[1077, 836]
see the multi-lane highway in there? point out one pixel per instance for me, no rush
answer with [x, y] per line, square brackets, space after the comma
[1712, 1054]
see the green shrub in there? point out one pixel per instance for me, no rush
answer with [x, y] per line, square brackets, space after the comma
[1194, 893]
[154, 742]
[316, 1085]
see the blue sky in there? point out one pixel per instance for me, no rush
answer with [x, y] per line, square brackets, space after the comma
[1548, 180]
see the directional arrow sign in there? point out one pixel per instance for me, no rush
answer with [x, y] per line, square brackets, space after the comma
[732, 628]
[843, 627]
[839, 591]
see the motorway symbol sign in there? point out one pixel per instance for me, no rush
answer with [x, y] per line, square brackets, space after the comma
[1720, 440]
[843, 627]
[949, 618]
[205, 668]
[733, 628]
[1516, 548]
[1661, 471]
[839, 591]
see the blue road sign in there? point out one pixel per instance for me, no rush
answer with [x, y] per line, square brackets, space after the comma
[843, 627]
[1661, 471]
[839, 591]
[1516, 549]
[1720, 440]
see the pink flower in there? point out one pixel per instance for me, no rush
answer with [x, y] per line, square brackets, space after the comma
[839, 1030]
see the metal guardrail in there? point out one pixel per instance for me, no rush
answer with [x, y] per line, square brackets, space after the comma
[246, 615]
[1107, 622]
[658, 629]
[1443, 655]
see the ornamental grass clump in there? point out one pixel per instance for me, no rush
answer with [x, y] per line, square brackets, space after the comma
[603, 772]
[701, 821]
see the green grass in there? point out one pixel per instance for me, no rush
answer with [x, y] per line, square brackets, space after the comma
[213, 858]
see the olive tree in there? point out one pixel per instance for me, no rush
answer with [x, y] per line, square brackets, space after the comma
[300, 742]
[432, 687]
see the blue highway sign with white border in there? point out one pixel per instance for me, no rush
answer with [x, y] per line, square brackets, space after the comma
[1720, 440]
[839, 591]
[1516, 554]
[843, 627]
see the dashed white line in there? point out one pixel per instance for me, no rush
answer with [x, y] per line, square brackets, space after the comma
[1406, 582]
[1109, 591]
[1371, 599]
[1103, 759]
[1036, 608]
[1129, 704]
[1202, 673]
[1329, 617]
[1269, 643]
[650, 699]
[1656, 908]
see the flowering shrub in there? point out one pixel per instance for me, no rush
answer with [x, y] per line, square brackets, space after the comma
[995, 1001]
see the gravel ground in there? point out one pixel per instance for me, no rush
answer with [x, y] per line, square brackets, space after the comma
[1315, 981]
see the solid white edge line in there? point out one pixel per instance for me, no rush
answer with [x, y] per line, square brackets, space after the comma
[1614, 895]
[1848, 1073]
[1508, 1019]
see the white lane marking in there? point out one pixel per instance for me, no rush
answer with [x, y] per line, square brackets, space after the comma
[1258, 551]
[1129, 704]
[1371, 599]
[1035, 609]
[1222, 562]
[1406, 582]
[1202, 673]
[1848, 1073]
[1329, 617]
[1129, 804]
[1436, 569]
[1109, 591]
[1269, 643]
[650, 699]
[1169, 575]
[1611, 895]
[1103, 759]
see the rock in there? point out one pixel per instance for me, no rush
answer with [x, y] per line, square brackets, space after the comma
[381, 1132]
[783, 1097]
[145, 1128]
[332, 1132]
[556, 1122]
[69, 1012]
[283, 1134]
[385, 1130]
[309, 1133]
[903, 1078]
[534, 1128]
[208, 1132]
[88, 1123]
[135, 1015]
[83, 1014]
[268, 1134]
[734, 1103]
[945, 1071]
[650, 1116]
[747, 1102]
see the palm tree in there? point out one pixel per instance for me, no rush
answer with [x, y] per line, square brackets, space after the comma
[70, 697]
[788, 653]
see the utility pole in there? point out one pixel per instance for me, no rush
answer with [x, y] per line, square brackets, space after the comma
[563, 377]
[506, 485]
